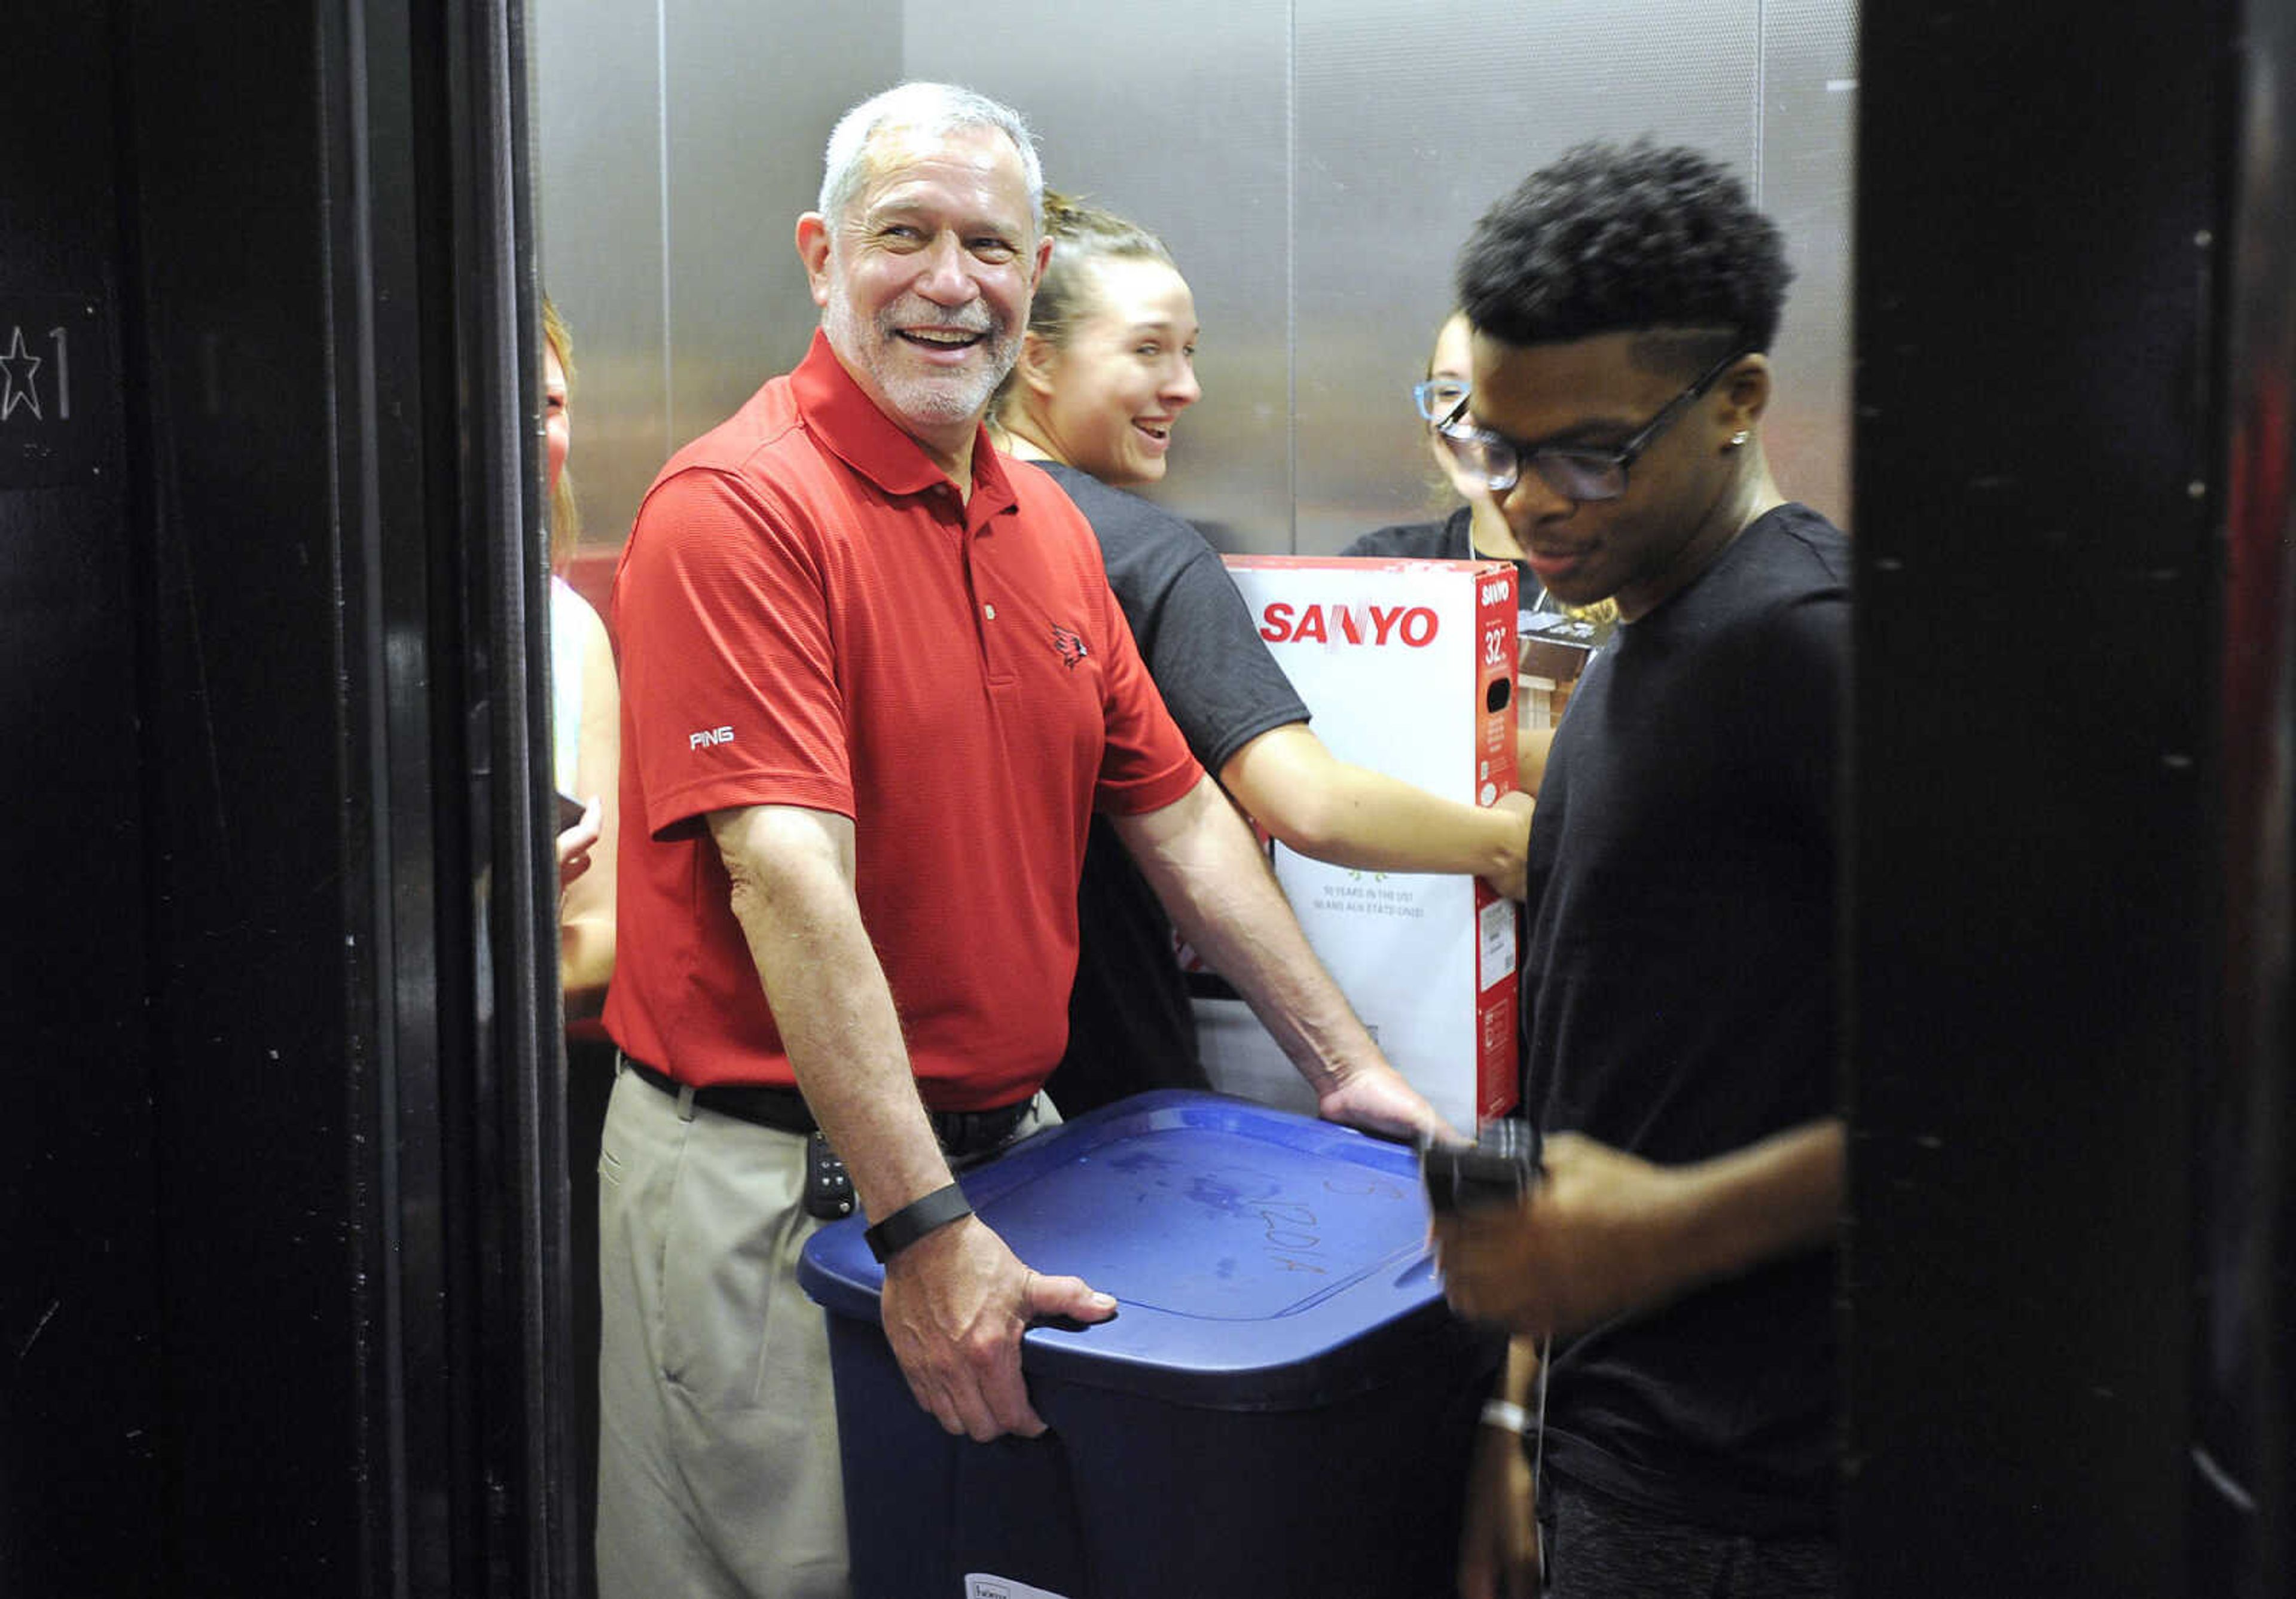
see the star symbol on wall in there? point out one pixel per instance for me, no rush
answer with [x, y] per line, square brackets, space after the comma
[15, 390]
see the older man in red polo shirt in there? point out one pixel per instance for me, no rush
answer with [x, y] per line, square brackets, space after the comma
[873, 686]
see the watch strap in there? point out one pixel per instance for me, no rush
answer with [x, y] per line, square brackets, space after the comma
[914, 1219]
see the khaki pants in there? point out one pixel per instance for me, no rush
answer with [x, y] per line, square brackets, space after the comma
[718, 1475]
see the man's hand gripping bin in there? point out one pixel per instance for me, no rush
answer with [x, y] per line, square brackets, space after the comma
[1281, 1407]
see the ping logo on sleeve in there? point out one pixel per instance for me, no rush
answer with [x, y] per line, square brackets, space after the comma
[708, 736]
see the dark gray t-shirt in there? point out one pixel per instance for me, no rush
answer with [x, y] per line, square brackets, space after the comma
[1451, 539]
[1130, 1026]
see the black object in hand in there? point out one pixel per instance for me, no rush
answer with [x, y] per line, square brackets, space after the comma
[1497, 1169]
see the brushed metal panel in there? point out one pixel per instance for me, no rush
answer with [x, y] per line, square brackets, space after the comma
[755, 87]
[679, 142]
[1319, 245]
[1809, 176]
[1178, 116]
[597, 104]
[1412, 122]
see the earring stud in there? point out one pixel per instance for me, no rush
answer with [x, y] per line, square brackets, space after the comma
[1738, 438]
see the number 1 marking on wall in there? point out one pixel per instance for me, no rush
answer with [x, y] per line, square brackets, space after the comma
[64, 375]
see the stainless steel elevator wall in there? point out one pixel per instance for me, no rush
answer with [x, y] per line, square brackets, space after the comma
[1314, 167]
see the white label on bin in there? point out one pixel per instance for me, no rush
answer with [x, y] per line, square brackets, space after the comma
[1497, 943]
[982, 1584]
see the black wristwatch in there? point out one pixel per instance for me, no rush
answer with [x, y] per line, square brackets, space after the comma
[914, 1219]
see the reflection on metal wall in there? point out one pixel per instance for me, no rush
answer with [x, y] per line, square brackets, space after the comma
[1314, 169]
[1808, 166]
[678, 142]
[1409, 126]
[1175, 115]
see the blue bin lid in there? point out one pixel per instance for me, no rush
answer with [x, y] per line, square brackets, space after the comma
[1261, 1260]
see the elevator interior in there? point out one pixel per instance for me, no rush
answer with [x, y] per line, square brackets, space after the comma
[286, 1296]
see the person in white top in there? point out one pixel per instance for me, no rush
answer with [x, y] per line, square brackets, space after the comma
[585, 712]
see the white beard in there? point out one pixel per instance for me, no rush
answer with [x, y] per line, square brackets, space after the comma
[921, 398]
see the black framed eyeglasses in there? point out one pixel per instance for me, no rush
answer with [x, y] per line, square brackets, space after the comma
[1437, 398]
[1577, 472]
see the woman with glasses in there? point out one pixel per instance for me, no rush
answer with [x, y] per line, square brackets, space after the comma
[1554, 640]
[1475, 530]
[1106, 368]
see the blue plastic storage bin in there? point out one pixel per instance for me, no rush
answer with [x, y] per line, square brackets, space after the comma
[1282, 1404]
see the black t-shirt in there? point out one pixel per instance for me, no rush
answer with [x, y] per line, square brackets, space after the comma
[1130, 1026]
[1451, 539]
[1678, 990]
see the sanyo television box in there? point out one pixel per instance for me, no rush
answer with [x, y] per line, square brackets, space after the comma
[1407, 667]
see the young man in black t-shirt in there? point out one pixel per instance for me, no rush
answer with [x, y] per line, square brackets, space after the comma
[1677, 982]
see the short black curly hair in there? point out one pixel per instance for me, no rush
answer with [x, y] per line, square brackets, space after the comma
[1613, 238]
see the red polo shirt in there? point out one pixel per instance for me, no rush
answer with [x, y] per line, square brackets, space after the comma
[809, 614]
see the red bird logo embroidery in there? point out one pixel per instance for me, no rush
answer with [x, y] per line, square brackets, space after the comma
[1069, 646]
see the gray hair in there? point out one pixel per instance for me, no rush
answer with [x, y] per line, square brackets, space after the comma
[934, 109]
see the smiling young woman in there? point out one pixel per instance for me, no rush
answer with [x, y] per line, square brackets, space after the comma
[1109, 361]
[1106, 369]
